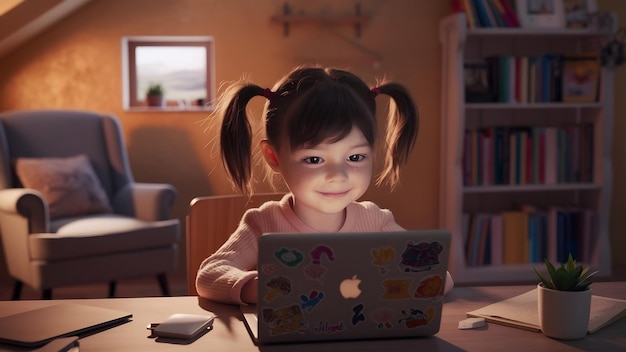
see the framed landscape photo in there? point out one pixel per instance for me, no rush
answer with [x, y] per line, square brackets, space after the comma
[541, 13]
[577, 12]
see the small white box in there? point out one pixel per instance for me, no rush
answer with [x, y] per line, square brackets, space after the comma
[471, 323]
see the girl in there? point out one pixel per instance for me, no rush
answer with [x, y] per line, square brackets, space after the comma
[320, 126]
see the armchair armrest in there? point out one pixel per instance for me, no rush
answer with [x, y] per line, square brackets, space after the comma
[26, 203]
[145, 201]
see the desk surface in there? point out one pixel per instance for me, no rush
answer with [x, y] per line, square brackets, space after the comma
[229, 332]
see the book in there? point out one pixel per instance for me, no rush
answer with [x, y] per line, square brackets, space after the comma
[497, 248]
[470, 12]
[521, 312]
[483, 15]
[511, 14]
[515, 230]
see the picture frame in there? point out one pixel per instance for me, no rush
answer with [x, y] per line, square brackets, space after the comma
[577, 12]
[540, 13]
[477, 82]
[581, 78]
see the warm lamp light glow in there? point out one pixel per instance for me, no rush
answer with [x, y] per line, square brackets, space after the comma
[7, 5]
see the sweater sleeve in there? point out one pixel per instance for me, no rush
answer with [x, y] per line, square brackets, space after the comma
[222, 275]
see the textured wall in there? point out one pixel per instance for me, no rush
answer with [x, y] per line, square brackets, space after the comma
[77, 64]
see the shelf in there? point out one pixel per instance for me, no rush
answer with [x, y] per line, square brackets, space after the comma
[324, 19]
[520, 32]
[287, 18]
[507, 274]
[533, 188]
[555, 105]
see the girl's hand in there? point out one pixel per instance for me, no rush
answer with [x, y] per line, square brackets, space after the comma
[249, 291]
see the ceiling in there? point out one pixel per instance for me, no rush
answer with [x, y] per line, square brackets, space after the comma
[21, 20]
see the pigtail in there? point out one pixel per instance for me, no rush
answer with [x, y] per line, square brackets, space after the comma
[401, 132]
[236, 133]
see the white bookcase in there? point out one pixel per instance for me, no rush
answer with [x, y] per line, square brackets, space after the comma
[460, 44]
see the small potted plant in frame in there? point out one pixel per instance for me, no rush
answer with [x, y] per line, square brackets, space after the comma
[154, 94]
[564, 300]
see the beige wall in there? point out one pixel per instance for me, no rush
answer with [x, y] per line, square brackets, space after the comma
[77, 64]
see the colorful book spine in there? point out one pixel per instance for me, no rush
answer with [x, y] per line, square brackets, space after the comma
[510, 12]
[481, 10]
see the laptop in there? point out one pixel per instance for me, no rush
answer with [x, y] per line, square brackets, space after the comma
[343, 286]
[37, 327]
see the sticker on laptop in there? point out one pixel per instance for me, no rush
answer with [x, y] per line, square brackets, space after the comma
[420, 257]
[414, 318]
[289, 257]
[429, 287]
[278, 286]
[315, 270]
[328, 328]
[396, 289]
[357, 314]
[313, 299]
[269, 269]
[383, 317]
[382, 257]
[285, 320]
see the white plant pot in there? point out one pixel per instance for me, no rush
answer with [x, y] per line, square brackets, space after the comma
[564, 314]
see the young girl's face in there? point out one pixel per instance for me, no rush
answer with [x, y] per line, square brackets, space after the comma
[325, 178]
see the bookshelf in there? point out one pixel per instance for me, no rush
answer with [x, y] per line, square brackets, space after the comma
[460, 200]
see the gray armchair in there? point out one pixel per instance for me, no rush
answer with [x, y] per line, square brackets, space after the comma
[70, 212]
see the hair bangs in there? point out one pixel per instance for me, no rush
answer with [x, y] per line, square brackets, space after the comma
[328, 112]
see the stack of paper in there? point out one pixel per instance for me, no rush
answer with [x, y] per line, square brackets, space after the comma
[521, 312]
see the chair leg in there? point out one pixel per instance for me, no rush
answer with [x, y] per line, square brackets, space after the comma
[112, 286]
[17, 290]
[46, 293]
[165, 288]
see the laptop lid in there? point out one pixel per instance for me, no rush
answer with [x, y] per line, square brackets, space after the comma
[335, 286]
[39, 326]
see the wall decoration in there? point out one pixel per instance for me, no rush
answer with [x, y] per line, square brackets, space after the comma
[578, 12]
[541, 13]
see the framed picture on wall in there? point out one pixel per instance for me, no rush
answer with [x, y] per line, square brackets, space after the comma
[577, 12]
[541, 13]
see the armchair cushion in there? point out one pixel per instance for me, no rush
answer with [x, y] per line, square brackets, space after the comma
[101, 235]
[69, 185]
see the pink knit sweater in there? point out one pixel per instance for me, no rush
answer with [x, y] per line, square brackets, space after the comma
[222, 275]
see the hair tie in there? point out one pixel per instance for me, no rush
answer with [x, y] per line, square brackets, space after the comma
[375, 91]
[269, 94]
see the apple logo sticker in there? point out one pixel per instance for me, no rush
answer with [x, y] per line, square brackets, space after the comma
[349, 288]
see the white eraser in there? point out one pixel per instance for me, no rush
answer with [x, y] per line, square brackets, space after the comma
[471, 323]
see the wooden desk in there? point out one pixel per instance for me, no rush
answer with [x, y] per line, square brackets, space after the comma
[230, 334]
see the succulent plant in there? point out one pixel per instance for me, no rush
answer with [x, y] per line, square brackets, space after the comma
[155, 89]
[568, 277]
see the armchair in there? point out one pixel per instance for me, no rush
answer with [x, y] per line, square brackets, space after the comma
[70, 211]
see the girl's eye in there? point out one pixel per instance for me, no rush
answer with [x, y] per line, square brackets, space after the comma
[356, 157]
[313, 160]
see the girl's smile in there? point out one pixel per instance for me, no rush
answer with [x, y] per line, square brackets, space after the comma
[325, 178]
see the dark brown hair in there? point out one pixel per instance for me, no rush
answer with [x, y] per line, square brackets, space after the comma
[311, 105]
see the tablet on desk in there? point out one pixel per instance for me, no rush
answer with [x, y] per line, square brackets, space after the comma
[37, 327]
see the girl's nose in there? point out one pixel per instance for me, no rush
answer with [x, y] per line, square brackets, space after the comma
[336, 172]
